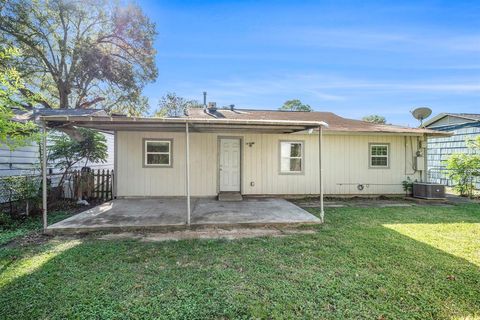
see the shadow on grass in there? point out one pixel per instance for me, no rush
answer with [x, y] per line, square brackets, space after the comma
[13, 229]
[352, 268]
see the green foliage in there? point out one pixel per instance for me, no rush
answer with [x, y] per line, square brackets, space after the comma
[474, 144]
[24, 190]
[14, 228]
[374, 118]
[66, 152]
[407, 185]
[171, 105]
[81, 53]
[375, 263]
[464, 169]
[23, 187]
[295, 105]
[13, 133]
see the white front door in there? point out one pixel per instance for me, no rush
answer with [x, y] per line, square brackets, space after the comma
[229, 165]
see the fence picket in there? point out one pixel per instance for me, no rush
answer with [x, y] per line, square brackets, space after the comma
[112, 181]
[103, 184]
[96, 183]
[107, 187]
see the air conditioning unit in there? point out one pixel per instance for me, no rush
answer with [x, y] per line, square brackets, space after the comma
[428, 190]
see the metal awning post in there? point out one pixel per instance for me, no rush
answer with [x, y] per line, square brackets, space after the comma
[187, 170]
[320, 165]
[44, 175]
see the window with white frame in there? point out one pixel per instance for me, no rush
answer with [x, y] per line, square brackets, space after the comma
[157, 153]
[291, 157]
[379, 155]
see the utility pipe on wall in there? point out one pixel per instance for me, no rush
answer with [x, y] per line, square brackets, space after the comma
[187, 170]
[320, 152]
[44, 175]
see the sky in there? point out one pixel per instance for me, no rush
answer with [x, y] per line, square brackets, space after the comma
[353, 58]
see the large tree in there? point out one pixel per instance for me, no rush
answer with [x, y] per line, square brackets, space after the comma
[13, 133]
[295, 105]
[81, 53]
[172, 105]
[374, 118]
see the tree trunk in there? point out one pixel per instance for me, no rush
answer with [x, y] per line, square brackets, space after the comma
[63, 92]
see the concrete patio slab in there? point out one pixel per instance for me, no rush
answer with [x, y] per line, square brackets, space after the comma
[206, 233]
[170, 214]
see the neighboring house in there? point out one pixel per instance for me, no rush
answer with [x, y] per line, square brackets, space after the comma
[463, 126]
[26, 160]
[258, 153]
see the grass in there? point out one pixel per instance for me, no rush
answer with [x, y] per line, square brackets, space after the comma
[375, 263]
[11, 229]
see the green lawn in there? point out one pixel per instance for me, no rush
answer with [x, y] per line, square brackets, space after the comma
[389, 263]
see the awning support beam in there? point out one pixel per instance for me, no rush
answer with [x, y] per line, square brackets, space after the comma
[44, 175]
[320, 165]
[187, 171]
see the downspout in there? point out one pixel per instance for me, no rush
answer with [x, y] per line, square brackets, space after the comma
[187, 170]
[44, 175]
[405, 157]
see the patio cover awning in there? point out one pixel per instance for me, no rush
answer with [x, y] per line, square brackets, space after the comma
[187, 125]
[120, 123]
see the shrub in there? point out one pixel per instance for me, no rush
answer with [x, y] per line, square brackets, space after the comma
[66, 152]
[23, 189]
[463, 169]
[408, 186]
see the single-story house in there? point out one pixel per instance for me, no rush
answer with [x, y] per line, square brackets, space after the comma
[258, 153]
[461, 126]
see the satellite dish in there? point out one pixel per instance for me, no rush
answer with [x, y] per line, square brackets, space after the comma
[421, 114]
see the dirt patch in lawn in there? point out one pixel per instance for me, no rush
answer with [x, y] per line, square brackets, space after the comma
[33, 238]
[210, 233]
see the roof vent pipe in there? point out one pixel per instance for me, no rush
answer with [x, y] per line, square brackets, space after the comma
[204, 99]
[212, 106]
[232, 107]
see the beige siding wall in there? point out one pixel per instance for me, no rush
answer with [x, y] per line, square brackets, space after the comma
[134, 180]
[345, 165]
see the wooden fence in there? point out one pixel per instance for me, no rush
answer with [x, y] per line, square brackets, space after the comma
[94, 184]
[19, 193]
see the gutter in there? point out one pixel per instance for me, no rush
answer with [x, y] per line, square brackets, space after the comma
[174, 120]
[179, 121]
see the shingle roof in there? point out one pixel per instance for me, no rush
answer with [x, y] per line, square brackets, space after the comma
[335, 122]
[22, 115]
[467, 116]
[244, 117]
[473, 116]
